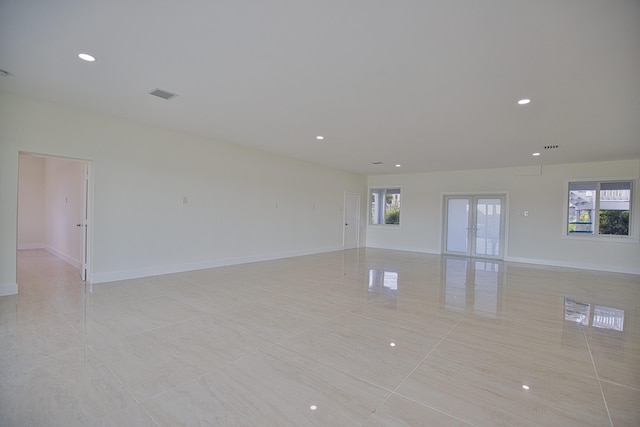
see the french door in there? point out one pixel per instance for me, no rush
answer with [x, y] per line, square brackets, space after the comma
[474, 225]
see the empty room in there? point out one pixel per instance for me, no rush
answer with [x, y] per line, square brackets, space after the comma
[275, 213]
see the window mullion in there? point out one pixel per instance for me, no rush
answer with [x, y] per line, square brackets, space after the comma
[596, 211]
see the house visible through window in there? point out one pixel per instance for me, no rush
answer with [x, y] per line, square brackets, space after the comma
[385, 206]
[599, 208]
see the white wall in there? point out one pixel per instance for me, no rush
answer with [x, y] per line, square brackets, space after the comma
[31, 222]
[537, 238]
[63, 208]
[243, 204]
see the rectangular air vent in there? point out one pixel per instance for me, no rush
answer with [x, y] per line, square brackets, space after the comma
[551, 147]
[163, 94]
[376, 163]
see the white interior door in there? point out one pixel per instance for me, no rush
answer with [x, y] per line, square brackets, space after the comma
[351, 234]
[474, 225]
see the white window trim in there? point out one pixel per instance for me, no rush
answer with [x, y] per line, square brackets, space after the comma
[384, 187]
[634, 218]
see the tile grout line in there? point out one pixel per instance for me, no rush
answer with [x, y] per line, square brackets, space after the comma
[595, 369]
[148, 414]
[435, 409]
[84, 347]
[113, 374]
[394, 391]
[620, 385]
[87, 347]
[429, 353]
[260, 350]
[207, 373]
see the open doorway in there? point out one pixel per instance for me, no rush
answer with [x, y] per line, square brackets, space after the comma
[53, 208]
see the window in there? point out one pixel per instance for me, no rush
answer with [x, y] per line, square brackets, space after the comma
[385, 206]
[600, 208]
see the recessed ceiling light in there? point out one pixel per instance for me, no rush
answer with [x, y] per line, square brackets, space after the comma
[525, 387]
[392, 344]
[524, 101]
[320, 137]
[398, 165]
[313, 407]
[86, 57]
[535, 154]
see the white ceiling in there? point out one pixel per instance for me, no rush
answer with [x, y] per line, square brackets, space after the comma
[429, 84]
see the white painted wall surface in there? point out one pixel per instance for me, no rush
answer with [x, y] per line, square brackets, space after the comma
[536, 238]
[31, 221]
[243, 204]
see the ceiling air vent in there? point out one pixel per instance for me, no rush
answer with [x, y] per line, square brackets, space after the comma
[163, 94]
[551, 147]
[376, 163]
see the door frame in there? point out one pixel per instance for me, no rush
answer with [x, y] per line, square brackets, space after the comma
[86, 255]
[357, 196]
[85, 271]
[473, 196]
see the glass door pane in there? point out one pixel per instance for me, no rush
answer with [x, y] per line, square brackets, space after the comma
[458, 225]
[488, 227]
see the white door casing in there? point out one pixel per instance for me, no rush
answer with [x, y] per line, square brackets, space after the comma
[84, 224]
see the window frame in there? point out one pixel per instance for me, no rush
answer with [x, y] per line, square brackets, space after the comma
[370, 201]
[632, 237]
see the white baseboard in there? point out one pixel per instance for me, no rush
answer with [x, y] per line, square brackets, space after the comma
[29, 246]
[64, 257]
[8, 289]
[407, 249]
[181, 268]
[582, 266]
[535, 261]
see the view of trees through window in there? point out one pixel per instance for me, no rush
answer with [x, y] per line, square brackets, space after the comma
[602, 208]
[385, 206]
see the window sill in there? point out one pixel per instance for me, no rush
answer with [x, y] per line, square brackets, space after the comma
[603, 238]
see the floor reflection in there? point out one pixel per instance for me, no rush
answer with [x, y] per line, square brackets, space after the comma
[383, 282]
[473, 285]
[575, 311]
[603, 317]
[608, 318]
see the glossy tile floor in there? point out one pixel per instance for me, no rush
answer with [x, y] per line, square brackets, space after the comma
[355, 338]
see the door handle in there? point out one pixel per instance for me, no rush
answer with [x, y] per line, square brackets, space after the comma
[78, 225]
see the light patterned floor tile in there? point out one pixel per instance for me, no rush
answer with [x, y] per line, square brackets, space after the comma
[367, 337]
